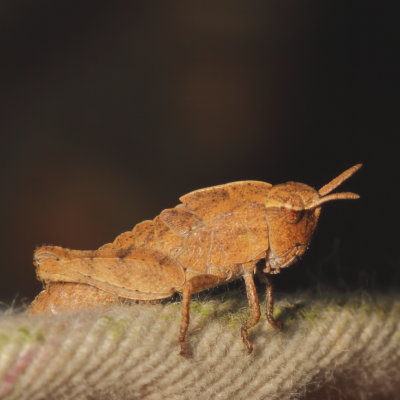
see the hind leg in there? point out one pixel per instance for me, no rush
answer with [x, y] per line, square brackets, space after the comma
[192, 286]
[254, 306]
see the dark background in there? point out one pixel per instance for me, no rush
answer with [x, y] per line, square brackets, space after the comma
[109, 111]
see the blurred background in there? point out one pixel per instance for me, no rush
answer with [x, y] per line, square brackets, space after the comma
[109, 111]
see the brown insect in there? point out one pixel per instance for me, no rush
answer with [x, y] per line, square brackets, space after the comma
[216, 235]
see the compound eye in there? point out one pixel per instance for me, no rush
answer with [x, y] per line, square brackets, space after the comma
[293, 209]
[292, 216]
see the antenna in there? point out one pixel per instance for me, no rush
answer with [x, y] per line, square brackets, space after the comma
[335, 196]
[334, 183]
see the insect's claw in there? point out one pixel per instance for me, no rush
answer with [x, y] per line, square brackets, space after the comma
[245, 337]
[278, 324]
[183, 351]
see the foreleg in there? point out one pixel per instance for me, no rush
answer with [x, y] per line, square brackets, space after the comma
[269, 300]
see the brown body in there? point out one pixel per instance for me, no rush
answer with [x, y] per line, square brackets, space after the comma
[215, 235]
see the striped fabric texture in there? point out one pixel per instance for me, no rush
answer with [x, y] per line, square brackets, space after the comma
[332, 346]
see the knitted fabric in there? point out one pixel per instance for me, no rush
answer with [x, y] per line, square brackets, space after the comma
[336, 347]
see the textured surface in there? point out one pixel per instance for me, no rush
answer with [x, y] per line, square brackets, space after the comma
[340, 346]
